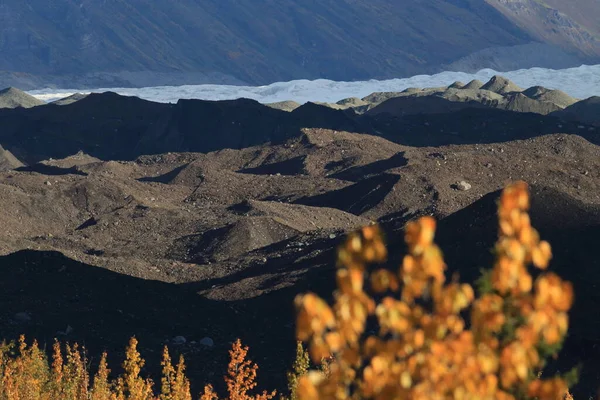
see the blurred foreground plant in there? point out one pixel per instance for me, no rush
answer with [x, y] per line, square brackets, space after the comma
[419, 337]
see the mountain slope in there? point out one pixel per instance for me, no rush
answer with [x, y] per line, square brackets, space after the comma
[117, 42]
[569, 25]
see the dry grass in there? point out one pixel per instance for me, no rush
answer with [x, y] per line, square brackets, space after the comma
[405, 334]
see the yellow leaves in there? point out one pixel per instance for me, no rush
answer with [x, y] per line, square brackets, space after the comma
[541, 255]
[516, 361]
[420, 347]
[350, 281]
[241, 375]
[552, 389]
[362, 247]
[487, 317]
[419, 234]
[25, 373]
[314, 316]
[101, 387]
[383, 280]
[419, 271]
[174, 384]
[394, 316]
[514, 196]
[554, 292]
[452, 298]
[209, 393]
[315, 385]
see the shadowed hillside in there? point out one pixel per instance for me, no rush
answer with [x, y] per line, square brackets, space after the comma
[204, 219]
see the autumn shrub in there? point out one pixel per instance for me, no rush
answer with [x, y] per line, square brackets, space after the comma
[26, 373]
[411, 334]
[240, 378]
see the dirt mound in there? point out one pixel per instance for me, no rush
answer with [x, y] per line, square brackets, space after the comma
[233, 240]
[501, 85]
[379, 97]
[402, 106]
[474, 84]
[479, 95]
[557, 97]
[14, 98]
[586, 111]
[69, 99]
[76, 160]
[8, 161]
[303, 218]
[456, 85]
[357, 198]
[351, 102]
[287, 105]
[522, 103]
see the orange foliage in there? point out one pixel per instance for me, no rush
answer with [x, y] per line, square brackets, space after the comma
[241, 376]
[25, 374]
[422, 349]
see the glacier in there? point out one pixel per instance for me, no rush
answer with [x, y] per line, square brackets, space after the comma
[580, 82]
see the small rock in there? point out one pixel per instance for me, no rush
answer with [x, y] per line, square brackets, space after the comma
[22, 317]
[463, 185]
[48, 183]
[488, 165]
[66, 331]
[206, 341]
[179, 340]
[332, 236]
